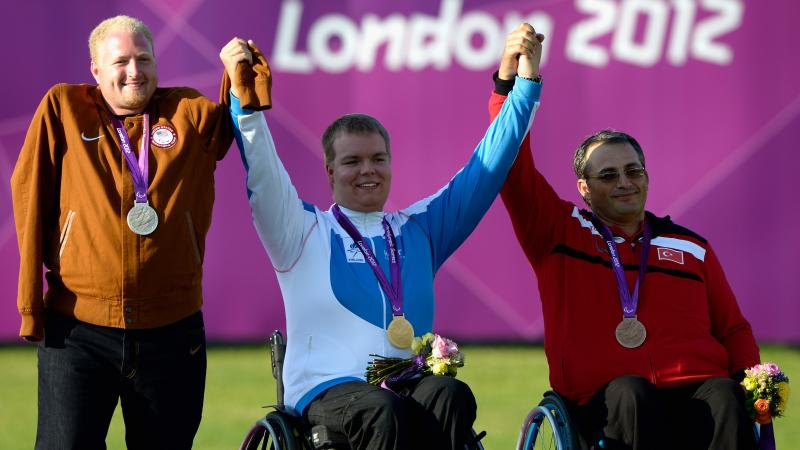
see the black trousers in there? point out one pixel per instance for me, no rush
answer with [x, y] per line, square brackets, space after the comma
[630, 413]
[157, 374]
[434, 412]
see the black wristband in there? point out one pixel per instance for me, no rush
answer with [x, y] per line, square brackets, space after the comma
[502, 87]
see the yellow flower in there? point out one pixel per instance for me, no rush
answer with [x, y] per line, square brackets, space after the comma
[750, 384]
[439, 368]
[416, 345]
[427, 338]
[783, 393]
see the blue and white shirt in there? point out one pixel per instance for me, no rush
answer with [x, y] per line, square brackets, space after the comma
[336, 312]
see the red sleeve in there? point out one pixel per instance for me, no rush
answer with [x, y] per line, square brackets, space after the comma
[536, 211]
[728, 325]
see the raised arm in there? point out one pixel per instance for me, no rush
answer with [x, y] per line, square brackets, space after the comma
[455, 211]
[532, 204]
[278, 213]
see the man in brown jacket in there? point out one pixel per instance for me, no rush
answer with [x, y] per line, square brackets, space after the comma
[113, 192]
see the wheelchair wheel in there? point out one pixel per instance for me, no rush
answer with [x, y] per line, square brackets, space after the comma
[547, 426]
[275, 431]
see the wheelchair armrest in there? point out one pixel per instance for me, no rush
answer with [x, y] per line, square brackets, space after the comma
[277, 352]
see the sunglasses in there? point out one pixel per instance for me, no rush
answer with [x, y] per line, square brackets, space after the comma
[612, 176]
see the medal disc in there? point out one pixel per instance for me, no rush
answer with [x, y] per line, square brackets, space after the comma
[630, 332]
[400, 332]
[142, 219]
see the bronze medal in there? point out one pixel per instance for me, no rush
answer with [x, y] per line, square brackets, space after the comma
[400, 332]
[630, 332]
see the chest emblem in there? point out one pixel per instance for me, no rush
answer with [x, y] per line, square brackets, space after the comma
[163, 136]
[352, 251]
[669, 254]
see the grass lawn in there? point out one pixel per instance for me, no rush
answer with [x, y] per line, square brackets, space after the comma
[507, 382]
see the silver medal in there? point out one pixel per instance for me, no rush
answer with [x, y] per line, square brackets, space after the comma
[630, 332]
[142, 219]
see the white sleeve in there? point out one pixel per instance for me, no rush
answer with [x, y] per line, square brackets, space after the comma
[278, 212]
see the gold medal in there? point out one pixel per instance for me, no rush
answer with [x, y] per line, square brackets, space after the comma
[630, 332]
[400, 332]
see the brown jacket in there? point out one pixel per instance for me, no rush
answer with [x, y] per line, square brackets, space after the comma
[72, 191]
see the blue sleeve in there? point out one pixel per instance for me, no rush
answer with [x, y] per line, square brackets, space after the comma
[236, 112]
[453, 213]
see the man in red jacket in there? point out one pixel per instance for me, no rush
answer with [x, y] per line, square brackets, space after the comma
[643, 334]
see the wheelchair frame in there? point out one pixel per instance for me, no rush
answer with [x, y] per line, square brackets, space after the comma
[552, 411]
[549, 421]
[279, 430]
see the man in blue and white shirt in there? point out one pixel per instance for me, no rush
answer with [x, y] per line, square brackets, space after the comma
[337, 312]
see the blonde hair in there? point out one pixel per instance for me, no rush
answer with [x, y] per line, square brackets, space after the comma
[125, 23]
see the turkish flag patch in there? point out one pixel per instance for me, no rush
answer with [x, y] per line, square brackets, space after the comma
[670, 254]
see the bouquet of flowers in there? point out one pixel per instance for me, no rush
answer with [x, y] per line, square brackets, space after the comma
[433, 355]
[767, 392]
[766, 395]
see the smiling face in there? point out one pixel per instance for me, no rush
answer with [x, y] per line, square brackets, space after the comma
[125, 71]
[360, 172]
[616, 200]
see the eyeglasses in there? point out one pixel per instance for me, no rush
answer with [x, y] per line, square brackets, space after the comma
[612, 176]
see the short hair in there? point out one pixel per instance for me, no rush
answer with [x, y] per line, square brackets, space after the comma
[603, 136]
[351, 123]
[125, 23]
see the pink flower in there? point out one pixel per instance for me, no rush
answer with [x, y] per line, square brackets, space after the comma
[443, 348]
[771, 369]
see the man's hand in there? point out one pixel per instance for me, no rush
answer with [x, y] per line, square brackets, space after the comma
[234, 52]
[522, 54]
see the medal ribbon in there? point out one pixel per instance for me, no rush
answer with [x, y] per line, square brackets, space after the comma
[393, 290]
[630, 302]
[138, 169]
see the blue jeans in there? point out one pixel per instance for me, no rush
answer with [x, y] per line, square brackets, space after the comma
[158, 375]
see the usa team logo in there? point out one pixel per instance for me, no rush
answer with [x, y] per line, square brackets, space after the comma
[163, 136]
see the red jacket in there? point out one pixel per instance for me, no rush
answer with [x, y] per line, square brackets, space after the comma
[695, 329]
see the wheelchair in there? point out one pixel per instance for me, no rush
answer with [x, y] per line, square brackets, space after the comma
[548, 426]
[280, 430]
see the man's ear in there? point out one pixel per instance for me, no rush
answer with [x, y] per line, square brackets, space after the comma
[329, 171]
[583, 190]
[95, 70]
